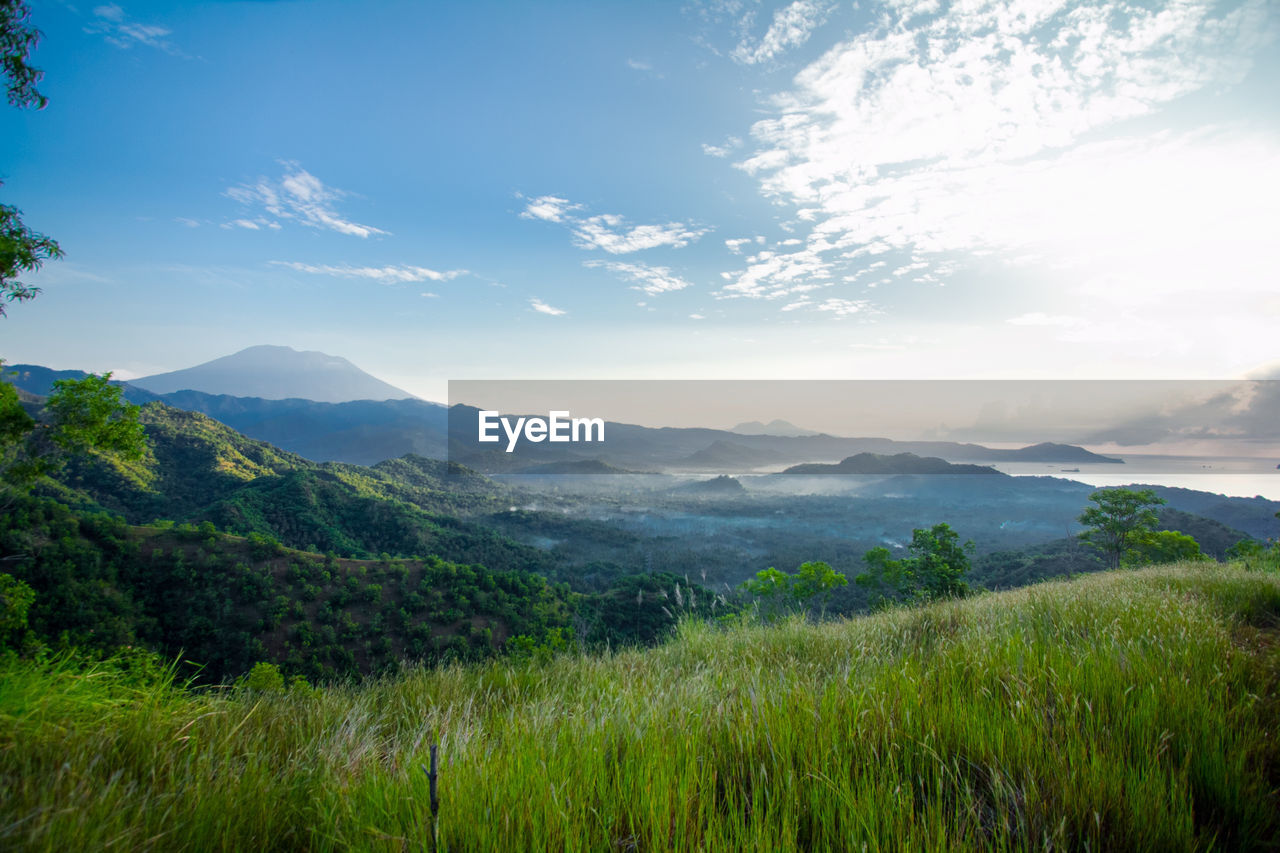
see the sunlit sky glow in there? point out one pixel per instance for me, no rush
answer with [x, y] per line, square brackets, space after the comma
[726, 189]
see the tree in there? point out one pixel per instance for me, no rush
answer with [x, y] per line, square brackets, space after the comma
[81, 417]
[1121, 520]
[17, 39]
[16, 599]
[935, 567]
[812, 580]
[21, 249]
[815, 580]
[1164, 546]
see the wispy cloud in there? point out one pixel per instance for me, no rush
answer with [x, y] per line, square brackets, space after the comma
[609, 232]
[730, 145]
[111, 22]
[948, 132]
[791, 27]
[391, 274]
[649, 279]
[773, 275]
[735, 245]
[613, 235]
[548, 208]
[543, 308]
[844, 307]
[297, 196]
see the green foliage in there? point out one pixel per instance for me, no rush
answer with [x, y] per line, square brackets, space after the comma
[81, 417]
[643, 609]
[778, 591]
[263, 678]
[1256, 555]
[1121, 521]
[1128, 711]
[91, 415]
[16, 599]
[935, 569]
[815, 580]
[226, 603]
[769, 584]
[17, 39]
[21, 249]
[554, 642]
[1163, 546]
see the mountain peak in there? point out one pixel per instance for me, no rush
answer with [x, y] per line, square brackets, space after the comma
[276, 373]
[774, 427]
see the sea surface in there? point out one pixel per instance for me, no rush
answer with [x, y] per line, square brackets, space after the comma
[1242, 477]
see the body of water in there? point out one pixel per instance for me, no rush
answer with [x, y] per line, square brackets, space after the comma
[1243, 477]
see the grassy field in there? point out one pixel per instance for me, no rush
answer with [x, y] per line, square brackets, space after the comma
[1125, 711]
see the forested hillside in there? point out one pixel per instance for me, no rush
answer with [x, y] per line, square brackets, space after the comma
[222, 603]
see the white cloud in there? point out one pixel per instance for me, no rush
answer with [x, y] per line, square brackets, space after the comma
[649, 279]
[772, 275]
[543, 308]
[248, 224]
[609, 232]
[639, 65]
[392, 274]
[791, 27]
[548, 208]
[732, 143]
[613, 235]
[696, 317]
[301, 197]
[187, 221]
[948, 134]
[844, 307]
[111, 22]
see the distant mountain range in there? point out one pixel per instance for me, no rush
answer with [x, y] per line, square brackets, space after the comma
[276, 373]
[326, 409]
[774, 427]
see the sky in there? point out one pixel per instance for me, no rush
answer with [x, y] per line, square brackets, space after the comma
[607, 190]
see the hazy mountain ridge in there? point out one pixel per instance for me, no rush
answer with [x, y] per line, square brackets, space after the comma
[777, 426]
[366, 431]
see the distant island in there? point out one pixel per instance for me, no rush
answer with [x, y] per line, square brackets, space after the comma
[898, 463]
[721, 486]
[1048, 451]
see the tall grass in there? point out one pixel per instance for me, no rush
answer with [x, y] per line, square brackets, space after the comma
[1123, 711]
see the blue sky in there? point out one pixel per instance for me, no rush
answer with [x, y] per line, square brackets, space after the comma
[900, 189]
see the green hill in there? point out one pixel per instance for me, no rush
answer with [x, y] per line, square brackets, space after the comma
[201, 470]
[224, 602]
[1122, 711]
